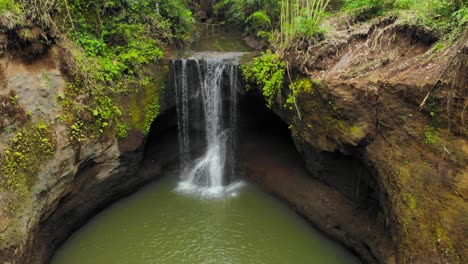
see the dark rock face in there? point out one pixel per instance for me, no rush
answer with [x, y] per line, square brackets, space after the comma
[366, 103]
[336, 192]
[103, 175]
[104, 172]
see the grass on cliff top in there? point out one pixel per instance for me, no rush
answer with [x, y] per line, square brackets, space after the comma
[265, 19]
[441, 16]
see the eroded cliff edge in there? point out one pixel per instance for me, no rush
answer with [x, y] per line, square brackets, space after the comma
[369, 82]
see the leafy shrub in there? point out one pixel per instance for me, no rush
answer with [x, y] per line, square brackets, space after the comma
[118, 38]
[461, 15]
[444, 16]
[254, 15]
[9, 6]
[266, 71]
[428, 8]
[177, 17]
[258, 21]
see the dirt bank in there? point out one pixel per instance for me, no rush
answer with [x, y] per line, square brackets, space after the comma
[369, 82]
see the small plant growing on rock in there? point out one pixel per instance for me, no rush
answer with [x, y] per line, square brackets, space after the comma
[28, 150]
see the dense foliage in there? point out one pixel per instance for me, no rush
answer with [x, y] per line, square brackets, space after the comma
[254, 15]
[119, 37]
[266, 71]
[300, 19]
[292, 19]
[104, 47]
[439, 14]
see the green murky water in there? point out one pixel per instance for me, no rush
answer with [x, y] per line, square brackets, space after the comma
[160, 225]
[224, 40]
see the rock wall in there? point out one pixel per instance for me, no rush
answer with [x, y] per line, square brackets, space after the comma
[367, 88]
[76, 183]
[335, 192]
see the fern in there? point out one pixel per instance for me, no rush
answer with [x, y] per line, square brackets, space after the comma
[259, 21]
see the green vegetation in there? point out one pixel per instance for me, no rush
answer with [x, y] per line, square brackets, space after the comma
[430, 134]
[441, 15]
[300, 19]
[290, 18]
[11, 11]
[266, 71]
[19, 164]
[296, 87]
[364, 9]
[151, 112]
[104, 47]
[254, 15]
[118, 39]
[9, 6]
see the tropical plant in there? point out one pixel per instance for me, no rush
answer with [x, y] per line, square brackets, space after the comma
[266, 71]
[300, 18]
[254, 15]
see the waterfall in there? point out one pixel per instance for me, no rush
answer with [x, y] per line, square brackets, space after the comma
[182, 112]
[200, 83]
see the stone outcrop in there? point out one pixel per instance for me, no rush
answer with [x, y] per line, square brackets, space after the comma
[366, 103]
[76, 183]
[79, 180]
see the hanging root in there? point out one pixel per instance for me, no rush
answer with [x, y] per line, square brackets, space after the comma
[378, 40]
[455, 76]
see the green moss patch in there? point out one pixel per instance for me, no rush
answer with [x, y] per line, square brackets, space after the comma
[29, 149]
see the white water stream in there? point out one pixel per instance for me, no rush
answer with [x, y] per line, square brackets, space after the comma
[210, 174]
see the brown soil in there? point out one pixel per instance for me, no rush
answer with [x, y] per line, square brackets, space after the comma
[369, 82]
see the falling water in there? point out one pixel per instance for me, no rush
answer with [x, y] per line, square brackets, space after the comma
[182, 112]
[212, 172]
